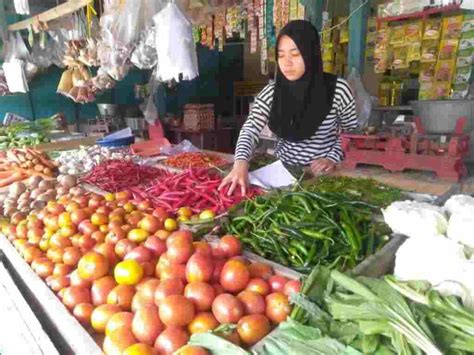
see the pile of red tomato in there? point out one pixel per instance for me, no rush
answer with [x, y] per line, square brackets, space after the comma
[146, 287]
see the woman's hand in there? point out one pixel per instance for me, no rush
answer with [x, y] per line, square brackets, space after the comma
[322, 166]
[238, 176]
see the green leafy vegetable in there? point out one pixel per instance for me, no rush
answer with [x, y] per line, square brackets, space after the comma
[216, 345]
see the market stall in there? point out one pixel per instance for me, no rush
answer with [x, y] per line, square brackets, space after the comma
[125, 245]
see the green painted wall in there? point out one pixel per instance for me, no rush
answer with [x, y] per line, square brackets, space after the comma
[46, 102]
[214, 85]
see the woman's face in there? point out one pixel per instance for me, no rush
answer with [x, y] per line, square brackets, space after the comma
[290, 60]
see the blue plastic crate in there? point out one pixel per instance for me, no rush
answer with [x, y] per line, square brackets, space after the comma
[120, 142]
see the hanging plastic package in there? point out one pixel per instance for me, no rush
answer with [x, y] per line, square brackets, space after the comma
[3, 84]
[120, 36]
[150, 112]
[14, 66]
[175, 45]
[144, 55]
[22, 7]
[362, 98]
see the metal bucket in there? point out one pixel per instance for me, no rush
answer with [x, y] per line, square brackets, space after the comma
[441, 116]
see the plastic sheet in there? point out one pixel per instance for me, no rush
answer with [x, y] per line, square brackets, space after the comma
[362, 98]
[144, 55]
[183, 147]
[15, 67]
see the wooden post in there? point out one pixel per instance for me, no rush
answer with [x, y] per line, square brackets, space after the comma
[319, 14]
[63, 9]
[357, 34]
[3, 20]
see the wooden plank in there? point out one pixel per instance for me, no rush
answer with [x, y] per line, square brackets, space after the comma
[21, 330]
[72, 334]
[421, 182]
[67, 8]
[66, 145]
[248, 88]
[3, 20]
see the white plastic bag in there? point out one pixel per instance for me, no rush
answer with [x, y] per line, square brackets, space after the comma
[3, 84]
[175, 45]
[183, 147]
[123, 34]
[14, 67]
[15, 76]
[144, 55]
[362, 97]
[22, 7]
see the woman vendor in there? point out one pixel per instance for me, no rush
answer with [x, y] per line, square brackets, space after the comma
[305, 108]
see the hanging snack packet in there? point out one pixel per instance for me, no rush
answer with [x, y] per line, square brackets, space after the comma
[397, 35]
[427, 72]
[441, 90]
[432, 29]
[426, 91]
[452, 27]
[466, 43]
[344, 31]
[444, 70]
[328, 52]
[414, 52]
[460, 91]
[467, 29]
[413, 31]
[448, 49]
[463, 74]
[464, 58]
[400, 54]
[429, 51]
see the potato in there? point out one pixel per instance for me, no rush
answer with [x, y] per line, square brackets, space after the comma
[37, 192]
[16, 189]
[34, 181]
[46, 196]
[68, 181]
[10, 211]
[37, 205]
[62, 191]
[46, 184]
[77, 191]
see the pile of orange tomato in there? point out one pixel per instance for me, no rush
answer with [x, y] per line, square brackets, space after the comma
[125, 271]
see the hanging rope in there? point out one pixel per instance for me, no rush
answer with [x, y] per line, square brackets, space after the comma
[347, 18]
[90, 13]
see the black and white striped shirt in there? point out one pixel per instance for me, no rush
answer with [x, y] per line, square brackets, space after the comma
[325, 143]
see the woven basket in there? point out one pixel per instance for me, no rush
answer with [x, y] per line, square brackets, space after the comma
[198, 117]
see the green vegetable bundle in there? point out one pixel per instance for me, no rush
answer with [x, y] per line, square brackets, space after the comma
[368, 190]
[301, 229]
[29, 133]
[377, 316]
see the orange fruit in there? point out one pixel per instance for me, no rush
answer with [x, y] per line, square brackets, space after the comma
[109, 197]
[64, 219]
[92, 266]
[99, 219]
[128, 272]
[171, 225]
[139, 349]
[138, 235]
[185, 212]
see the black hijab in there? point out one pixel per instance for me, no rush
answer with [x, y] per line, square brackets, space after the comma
[299, 107]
